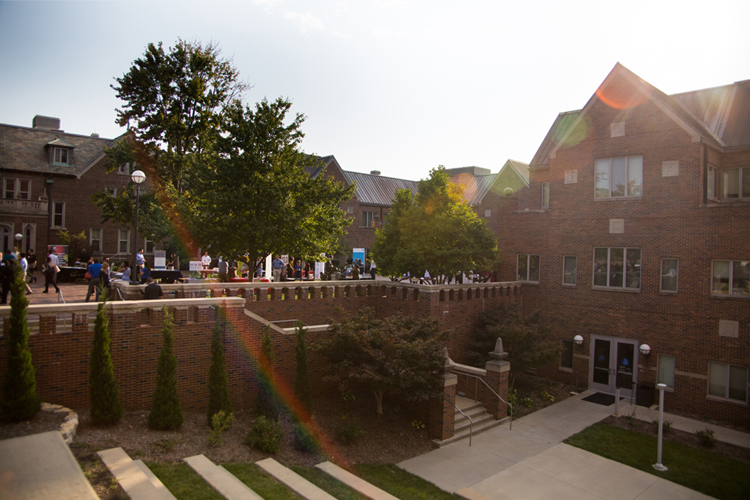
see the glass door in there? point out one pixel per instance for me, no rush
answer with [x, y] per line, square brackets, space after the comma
[613, 362]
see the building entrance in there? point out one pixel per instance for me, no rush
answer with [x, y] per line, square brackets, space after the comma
[613, 364]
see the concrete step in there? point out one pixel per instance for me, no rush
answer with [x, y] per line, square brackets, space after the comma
[349, 479]
[478, 422]
[293, 481]
[221, 479]
[478, 429]
[131, 476]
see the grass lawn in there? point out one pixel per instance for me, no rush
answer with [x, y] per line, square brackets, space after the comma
[693, 468]
[183, 482]
[400, 483]
[327, 483]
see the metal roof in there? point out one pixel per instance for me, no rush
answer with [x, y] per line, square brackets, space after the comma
[556, 132]
[475, 187]
[376, 189]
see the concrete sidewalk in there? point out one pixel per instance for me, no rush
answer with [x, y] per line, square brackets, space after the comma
[532, 462]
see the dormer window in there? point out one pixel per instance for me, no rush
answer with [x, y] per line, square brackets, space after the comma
[61, 156]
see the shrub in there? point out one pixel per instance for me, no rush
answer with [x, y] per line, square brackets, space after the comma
[19, 401]
[265, 404]
[265, 435]
[632, 420]
[105, 403]
[218, 386]
[219, 423]
[348, 430]
[527, 402]
[666, 426]
[546, 396]
[706, 437]
[302, 389]
[304, 441]
[166, 413]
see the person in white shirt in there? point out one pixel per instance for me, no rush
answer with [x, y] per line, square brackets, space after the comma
[25, 268]
[55, 263]
[205, 264]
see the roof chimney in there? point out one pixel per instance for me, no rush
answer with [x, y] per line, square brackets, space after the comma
[46, 122]
[374, 172]
[95, 135]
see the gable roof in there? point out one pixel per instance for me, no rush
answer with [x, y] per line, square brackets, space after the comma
[25, 149]
[520, 168]
[377, 189]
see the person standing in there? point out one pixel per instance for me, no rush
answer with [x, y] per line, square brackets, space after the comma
[31, 259]
[94, 269]
[205, 264]
[49, 274]
[8, 274]
[373, 269]
[24, 269]
[55, 266]
[152, 290]
[277, 265]
[223, 274]
[103, 287]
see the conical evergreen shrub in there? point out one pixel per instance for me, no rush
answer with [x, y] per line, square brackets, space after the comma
[19, 401]
[218, 385]
[105, 403]
[265, 404]
[302, 388]
[166, 413]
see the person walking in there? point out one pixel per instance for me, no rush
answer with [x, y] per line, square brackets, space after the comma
[277, 265]
[24, 269]
[49, 275]
[94, 269]
[373, 269]
[31, 259]
[8, 274]
[103, 288]
[55, 266]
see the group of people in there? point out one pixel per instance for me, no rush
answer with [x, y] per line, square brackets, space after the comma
[26, 262]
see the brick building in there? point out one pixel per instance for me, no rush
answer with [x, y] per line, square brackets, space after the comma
[634, 230]
[48, 179]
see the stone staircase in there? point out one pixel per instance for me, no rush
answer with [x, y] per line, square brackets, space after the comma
[480, 420]
[141, 484]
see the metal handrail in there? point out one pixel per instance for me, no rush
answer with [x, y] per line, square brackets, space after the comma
[493, 392]
[60, 297]
[471, 423]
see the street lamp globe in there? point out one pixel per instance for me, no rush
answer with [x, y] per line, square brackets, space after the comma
[138, 176]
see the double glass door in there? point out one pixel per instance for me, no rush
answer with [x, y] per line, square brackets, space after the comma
[614, 363]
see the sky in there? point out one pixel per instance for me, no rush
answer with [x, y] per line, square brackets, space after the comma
[399, 86]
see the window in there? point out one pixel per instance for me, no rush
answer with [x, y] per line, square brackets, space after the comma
[566, 355]
[369, 218]
[111, 191]
[545, 194]
[58, 214]
[123, 241]
[19, 189]
[528, 268]
[96, 239]
[711, 190]
[617, 267]
[124, 169]
[488, 213]
[148, 246]
[570, 266]
[619, 177]
[665, 374]
[730, 277]
[60, 156]
[727, 381]
[736, 183]
[669, 275]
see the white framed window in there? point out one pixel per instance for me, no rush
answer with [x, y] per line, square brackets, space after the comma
[149, 246]
[731, 278]
[570, 269]
[735, 183]
[566, 355]
[488, 213]
[58, 214]
[545, 194]
[711, 185]
[61, 156]
[665, 370]
[527, 268]
[123, 241]
[670, 274]
[619, 177]
[617, 268]
[17, 189]
[95, 239]
[368, 219]
[111, 191]
[727, 381]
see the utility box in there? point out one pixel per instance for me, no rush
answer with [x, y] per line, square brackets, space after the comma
[644, 395]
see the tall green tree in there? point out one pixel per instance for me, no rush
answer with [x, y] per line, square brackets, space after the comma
[105, 403]
[261, 180]
[526, 340]
[20, 401]
[302, 387]
[218, 384]
[434, 231]
[166, 412]
[396, 355]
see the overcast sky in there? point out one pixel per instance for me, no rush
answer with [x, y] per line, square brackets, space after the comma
[399, 86]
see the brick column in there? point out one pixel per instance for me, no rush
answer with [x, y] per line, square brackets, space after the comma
[443, 410]
[498, 371]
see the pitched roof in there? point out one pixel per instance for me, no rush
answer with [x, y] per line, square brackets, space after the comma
[376, 189]
[26, 149]
[558, 129]
[519, 167]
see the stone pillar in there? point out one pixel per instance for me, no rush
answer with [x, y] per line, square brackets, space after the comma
[498, 371]
[443, 409]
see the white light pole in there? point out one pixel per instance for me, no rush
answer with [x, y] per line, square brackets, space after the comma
[658, 465]
[137, 177]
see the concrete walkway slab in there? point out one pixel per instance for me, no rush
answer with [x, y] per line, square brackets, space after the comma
[41, 467]
[360, 485]
[131, 477]
[221, 479]
[165, 493]
[293, 481]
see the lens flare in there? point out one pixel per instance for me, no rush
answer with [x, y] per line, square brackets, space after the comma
[620, 95]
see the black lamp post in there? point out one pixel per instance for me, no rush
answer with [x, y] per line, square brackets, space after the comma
[137, 177]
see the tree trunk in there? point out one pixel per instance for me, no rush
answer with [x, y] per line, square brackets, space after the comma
[379, 400]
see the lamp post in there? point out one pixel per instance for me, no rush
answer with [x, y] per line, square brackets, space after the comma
[137, 177]
[658, 465]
